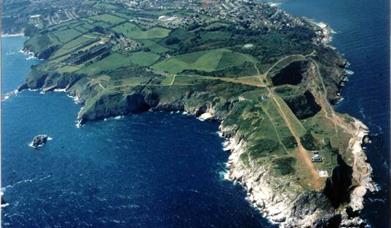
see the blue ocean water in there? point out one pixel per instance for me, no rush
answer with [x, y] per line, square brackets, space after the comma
[162, 170]
[14, 61]
[149, 170]
[362, 35]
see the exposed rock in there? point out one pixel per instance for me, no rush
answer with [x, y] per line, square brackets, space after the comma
[39, 141]
[337, 186]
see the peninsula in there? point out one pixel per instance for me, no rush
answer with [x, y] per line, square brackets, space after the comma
[268, 78]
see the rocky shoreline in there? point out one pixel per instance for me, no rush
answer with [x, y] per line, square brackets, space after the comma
[297, 209]
[280, 207]
[281, 201]
[292, 208]
[286, 208]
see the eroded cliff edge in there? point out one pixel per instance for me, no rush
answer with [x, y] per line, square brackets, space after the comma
[274, 112]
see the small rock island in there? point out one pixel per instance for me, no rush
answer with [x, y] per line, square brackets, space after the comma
[270, 80]
[39, 140]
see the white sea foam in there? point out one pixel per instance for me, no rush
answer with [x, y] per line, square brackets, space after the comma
[25, 181]
[274, 4]
[30, 57]
[6, 97]
[60, 90]
[118, 117]
[10, 94]
[220, 134]
[12, 34]
[78, 124]
[349, 72]
[75, 99]
[31, 145]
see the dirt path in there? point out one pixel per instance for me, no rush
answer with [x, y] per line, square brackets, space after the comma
[173, 79]
[326, 106]
[303, 155]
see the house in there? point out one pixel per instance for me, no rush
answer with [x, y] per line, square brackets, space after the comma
[317, 158]
[323, 173]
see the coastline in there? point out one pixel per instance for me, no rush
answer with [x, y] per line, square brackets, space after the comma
[259, 188]
[362, 170]
[279, 208]
[12, 34]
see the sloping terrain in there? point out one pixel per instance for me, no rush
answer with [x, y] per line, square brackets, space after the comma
[269, 85]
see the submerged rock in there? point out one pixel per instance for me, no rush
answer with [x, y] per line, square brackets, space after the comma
[39, 140]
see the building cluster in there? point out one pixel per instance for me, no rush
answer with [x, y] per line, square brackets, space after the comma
[97, 51]
[128, 45]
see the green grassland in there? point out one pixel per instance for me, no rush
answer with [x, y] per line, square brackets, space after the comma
[109, 63]
[66, 35]
[192, 68]
[133, 31]
[154, 47]
[108, 18]
[144, 58]
[203, 61]
[73, 45]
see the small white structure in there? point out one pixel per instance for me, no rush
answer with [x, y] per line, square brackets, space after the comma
[247, 46]
[323, 173]
[317, 158]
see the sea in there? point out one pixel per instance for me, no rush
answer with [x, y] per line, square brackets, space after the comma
[166, 169]
[148, 170]
[362, 35]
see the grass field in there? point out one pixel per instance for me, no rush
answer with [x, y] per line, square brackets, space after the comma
[216, 35]
[109, 63]
[72, 45]
[295, 123]
[154, 47]
[208, 61]
[277, 120]
[85, 27]
[108, 18]
[134, 32]
[101, 5]
[66, 35]
[144, 58]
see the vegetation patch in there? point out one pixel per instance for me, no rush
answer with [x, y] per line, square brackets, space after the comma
[108, 18]
[154, 47]
[66, 35]
[203, 61]
[144, 58]
[284, 165]
[134, 32]
[107, 64]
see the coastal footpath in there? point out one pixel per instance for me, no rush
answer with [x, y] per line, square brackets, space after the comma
[269, 79]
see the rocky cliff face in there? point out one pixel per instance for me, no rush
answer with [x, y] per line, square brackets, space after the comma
[279, 198]
[261, 143]
[336, 206]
